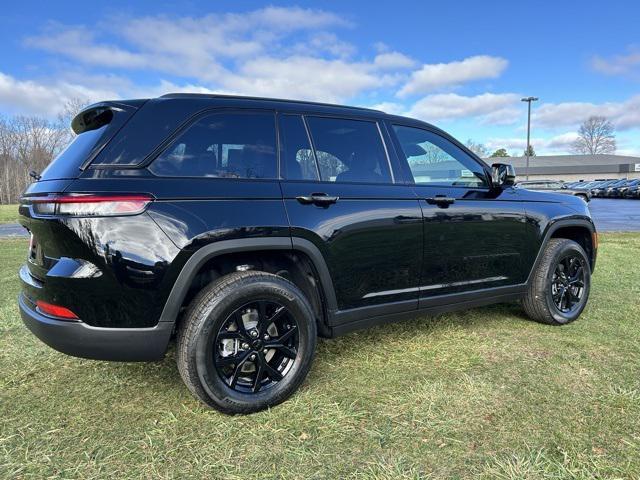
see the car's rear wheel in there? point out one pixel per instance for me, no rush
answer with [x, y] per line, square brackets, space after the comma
[559, 288]
[247, 342]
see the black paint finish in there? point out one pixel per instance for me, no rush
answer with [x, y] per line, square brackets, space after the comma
[378, 250]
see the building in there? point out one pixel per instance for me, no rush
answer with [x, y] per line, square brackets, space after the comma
[574, 167]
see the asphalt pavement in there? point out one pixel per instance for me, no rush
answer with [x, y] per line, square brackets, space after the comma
[615, 215]
[12, 230]
[609, 215]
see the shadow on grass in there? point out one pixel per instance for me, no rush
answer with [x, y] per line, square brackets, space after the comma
[164, 374]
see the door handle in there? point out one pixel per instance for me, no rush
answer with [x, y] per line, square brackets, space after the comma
[319, 199]
[443, 201]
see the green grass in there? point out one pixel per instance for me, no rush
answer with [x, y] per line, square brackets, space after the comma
[483, 393]
[8, 213]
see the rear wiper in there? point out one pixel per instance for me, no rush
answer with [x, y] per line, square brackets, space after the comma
[35, 175]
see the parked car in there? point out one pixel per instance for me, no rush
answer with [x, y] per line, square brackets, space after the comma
[247, 227]
[619, 190]
[555, 186]
[586, 186]
[598, 189]
[611, 190]
[632, 192]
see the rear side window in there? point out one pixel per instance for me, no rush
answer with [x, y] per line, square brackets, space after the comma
[349, 150]
[224, 145]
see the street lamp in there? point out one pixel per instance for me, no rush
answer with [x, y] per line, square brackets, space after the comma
[528, 100]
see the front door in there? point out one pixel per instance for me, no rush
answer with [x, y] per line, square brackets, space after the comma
[474, 237]
[341, 196]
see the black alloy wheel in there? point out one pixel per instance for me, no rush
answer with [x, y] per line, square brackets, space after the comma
[246, 342]
[256, 346]
[567, 284]
[558, 289]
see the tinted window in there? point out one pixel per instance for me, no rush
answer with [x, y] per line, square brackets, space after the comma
[67, 164]
[349, 150]
[434, 160]
[228, 145]
[296, 155]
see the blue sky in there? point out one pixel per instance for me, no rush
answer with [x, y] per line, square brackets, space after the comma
[461, 65]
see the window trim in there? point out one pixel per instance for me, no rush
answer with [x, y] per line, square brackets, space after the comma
[167, 142]
[375, 121]
[281, 172]
[403, 158]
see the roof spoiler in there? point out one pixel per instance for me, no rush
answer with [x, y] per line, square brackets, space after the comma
[99, 114]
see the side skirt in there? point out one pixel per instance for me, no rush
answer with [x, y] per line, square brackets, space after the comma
[347, 321]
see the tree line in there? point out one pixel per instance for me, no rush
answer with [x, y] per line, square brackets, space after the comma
[30, 143]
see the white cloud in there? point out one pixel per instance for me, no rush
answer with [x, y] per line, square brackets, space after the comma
[192, 47]
[627, 65]
[388, 107]
[436, 76]
[490, 107]
[273, 51]
[77, 44]
[305, 78]
[625, 115]
[48, 99]
[393, 60]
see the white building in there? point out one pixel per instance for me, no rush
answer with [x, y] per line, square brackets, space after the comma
[574, 167]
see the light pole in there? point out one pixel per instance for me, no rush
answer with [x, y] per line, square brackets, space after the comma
[528, 100]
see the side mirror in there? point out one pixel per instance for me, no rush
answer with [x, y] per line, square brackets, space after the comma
[502, 175]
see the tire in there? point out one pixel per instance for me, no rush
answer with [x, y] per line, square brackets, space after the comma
[543, 292]
[221, 381]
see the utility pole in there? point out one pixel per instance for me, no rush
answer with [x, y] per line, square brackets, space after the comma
[528, 100]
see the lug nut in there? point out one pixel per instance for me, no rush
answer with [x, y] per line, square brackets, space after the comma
[264, 351]
[266, 336]
[253, 357]
[245, 346]
[253, 333]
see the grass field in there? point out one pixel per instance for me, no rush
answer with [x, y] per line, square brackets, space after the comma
[8, 213]
[483, 393]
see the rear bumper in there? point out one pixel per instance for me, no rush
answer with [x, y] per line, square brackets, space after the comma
[81, 340]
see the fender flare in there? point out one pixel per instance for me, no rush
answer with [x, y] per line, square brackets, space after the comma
[554, 226]
[207, 252]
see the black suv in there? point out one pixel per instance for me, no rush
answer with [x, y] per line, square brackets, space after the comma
[247, 227]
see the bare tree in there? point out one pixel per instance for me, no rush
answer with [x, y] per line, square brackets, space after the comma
[596, 135]
[31, 143]
[478, 148]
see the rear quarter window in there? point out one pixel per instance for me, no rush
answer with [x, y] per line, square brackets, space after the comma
[95, 127]
[67, 164]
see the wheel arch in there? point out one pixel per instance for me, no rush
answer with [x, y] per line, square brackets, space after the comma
[582, 231]
[208, 253]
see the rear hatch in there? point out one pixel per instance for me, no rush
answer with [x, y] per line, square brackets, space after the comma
[94, 126]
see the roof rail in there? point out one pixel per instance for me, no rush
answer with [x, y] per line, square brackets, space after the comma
[242, 97]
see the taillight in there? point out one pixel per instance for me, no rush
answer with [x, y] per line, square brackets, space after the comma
[56, 310]
[91, 205]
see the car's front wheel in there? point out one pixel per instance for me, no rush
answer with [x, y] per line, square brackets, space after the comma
[559, 286]
[247, 342]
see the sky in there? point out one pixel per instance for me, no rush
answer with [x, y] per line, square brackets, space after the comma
[460, 65]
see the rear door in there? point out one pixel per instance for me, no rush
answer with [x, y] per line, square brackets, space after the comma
[341, 196]
[474, 237]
